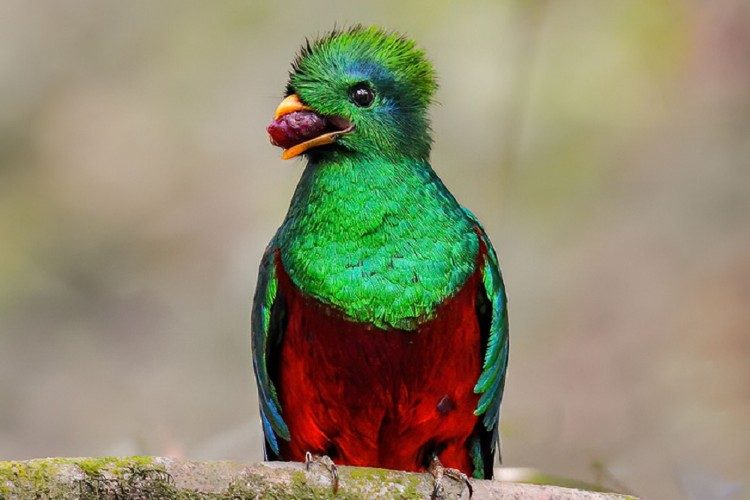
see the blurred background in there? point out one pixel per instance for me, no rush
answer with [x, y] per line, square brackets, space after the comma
[605, 146]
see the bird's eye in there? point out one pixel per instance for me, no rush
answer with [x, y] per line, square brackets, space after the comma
[361, 95]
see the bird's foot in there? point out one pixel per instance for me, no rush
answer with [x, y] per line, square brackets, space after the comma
[437, 471]
[326, 462]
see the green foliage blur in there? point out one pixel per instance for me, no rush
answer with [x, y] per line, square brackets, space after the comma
[604, 145]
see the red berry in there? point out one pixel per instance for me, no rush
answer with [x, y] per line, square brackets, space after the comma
[295, 128]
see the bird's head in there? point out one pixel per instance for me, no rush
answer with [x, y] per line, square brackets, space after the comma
[361, 91]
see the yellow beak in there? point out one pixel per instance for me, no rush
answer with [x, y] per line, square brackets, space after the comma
[289, 105]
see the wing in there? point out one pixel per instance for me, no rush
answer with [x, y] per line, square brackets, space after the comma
[492, 311]
[268, 324]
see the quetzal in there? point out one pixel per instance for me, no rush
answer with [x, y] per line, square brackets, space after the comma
[379, 325]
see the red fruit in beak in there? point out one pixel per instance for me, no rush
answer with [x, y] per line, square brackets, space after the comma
[296, 127]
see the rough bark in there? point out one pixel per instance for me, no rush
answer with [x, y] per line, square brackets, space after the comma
[147, 477]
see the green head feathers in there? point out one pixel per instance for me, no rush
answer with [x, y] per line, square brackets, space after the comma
[379, 81]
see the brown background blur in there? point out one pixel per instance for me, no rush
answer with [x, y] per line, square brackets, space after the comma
[605, 146]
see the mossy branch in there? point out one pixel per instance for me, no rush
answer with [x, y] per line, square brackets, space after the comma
[146, 477]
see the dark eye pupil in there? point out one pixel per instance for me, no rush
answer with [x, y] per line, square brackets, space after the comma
[362, 95]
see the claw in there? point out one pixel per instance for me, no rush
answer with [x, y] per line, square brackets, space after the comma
[437, 471]
[326, 462]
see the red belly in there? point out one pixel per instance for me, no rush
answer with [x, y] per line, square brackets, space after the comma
[378, 398]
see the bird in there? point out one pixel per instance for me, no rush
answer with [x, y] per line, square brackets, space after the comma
[380, 318]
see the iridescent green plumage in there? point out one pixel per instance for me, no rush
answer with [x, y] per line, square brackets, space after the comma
[396, 126]
[371, 230]
[387, 248]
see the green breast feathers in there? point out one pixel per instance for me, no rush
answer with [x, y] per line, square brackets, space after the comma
[387, 250]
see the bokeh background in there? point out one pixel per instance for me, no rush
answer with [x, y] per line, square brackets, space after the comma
[605, 146]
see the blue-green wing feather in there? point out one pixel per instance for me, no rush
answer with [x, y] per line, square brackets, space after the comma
[491, 382]
[265, 333]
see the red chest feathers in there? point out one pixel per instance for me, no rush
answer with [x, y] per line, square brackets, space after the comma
[371, 397]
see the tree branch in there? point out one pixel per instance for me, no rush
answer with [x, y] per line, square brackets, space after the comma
[147, 477]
